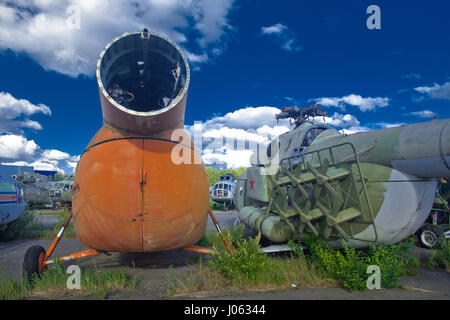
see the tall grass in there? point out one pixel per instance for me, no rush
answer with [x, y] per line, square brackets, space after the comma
[349, 266]
[319, 266]
[53, 283]
[440, 256]
[69, 232]
[246, 268]
[26, 226]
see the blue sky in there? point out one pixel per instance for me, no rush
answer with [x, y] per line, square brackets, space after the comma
[248, 58]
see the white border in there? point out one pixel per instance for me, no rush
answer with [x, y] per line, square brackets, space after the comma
[140, 113]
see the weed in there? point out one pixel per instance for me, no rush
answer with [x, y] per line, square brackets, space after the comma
[13, 289]
[247, 267]
[245, 262]
[350, 266]
[26, 226]
[53, 282]
[440, 257]
[171, 282]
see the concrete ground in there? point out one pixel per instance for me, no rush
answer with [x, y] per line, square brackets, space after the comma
[154, 269]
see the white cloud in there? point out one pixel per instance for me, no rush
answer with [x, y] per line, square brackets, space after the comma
[385, 125]
[411, 76]
[14, 114]
[231, 158]
[283, 35]
[38, 165]
[247, 118]
[229, 140]
[18, 150]
[210, 18]
[364, 104]
[423, 114]
[197, 58]
[46, 33]
[72, 164]
[54, 154]
[16, 147]
[352, 130]
[275, 29]
[339, 120]
[437, 91]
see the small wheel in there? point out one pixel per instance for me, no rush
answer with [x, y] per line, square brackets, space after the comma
[33, 262]
[429, 235]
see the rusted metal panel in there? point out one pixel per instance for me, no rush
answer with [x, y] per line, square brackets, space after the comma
[107, 202]
[175, 199]
[129, 196]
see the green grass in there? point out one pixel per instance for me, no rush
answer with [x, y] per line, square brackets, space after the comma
[37, 207]
[69, 232]
[26, 226]
[53, 284]
[316, 266]
[13, 290]
[219, 206]
[246, 268]
[349, 266]
[440, 257]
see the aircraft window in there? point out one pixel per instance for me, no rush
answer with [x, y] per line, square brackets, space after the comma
[311, 135]
[221, 186]
[269, 149]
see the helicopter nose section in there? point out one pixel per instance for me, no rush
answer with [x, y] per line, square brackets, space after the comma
[138, 200]
[128, 194]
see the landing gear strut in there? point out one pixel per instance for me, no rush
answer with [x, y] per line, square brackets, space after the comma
[37, 259]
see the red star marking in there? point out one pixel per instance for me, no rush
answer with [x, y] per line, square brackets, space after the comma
[252, 184]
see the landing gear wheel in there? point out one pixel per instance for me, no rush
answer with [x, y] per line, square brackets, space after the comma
[429, 235]
[33, 262]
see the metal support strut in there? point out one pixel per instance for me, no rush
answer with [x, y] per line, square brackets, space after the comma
[93, 252]
[38, 263]
[199, 249]
[82, 254]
